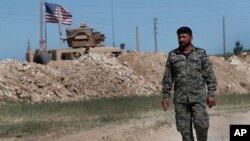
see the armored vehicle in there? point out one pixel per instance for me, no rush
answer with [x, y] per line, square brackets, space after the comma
[81, 40]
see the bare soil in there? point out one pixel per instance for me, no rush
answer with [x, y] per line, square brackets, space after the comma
[95, 75]
[143, 130]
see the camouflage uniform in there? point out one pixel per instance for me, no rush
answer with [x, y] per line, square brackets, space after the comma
[190, 75]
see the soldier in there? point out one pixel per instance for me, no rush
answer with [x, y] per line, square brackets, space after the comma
[189, 70]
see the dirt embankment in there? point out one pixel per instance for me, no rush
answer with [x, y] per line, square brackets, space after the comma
[233, 74]
[96, 75]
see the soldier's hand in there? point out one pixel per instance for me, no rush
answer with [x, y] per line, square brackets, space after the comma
[211, 101]
[165, 103]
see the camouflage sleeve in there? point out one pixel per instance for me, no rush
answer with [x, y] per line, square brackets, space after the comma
[209, 75]
[168, 80]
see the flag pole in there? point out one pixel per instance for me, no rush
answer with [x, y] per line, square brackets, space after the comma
[42, 41]
[60, 28]
[46, 42]
[45, 28]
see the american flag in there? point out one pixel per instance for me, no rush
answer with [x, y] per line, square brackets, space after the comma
[52, 14]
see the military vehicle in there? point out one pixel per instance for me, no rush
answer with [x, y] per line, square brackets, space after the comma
[81, 40]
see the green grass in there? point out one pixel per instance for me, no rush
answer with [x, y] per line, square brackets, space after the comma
[28, 119]
[233, 99]
[18, 119]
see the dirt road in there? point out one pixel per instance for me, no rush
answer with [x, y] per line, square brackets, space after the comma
[141, 131]
[219, 131]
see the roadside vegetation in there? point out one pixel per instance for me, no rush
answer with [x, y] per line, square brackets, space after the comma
[19, 119]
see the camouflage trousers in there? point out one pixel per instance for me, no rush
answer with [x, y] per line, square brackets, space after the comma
[191, 114]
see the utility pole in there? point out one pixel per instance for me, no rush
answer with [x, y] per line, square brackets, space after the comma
[113, 25]
[28, 44]
[155, 33]
[224, 36]
[137, 39]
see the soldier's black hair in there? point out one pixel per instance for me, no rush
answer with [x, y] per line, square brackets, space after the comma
[184, 29]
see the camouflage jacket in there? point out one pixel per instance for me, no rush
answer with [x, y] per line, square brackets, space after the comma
[190, 75]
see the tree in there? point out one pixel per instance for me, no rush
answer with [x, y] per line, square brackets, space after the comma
[238, 48]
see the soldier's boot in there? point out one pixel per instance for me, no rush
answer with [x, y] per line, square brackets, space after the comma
[201, 134]
[187, 138]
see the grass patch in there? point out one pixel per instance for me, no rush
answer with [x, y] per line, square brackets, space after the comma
[233, 99]
[28, 119]
[18, 119]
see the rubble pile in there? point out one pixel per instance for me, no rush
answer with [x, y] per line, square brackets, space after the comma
[232, 77]
[97, 75]
[151, 66]
[90, 76]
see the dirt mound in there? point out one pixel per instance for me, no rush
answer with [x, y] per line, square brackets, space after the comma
[151, 66]
[96, 75]
[89, 77]
[233, 75]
